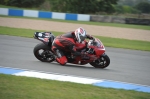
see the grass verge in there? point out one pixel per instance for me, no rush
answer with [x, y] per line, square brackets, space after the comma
[17, 87]
[107, 41]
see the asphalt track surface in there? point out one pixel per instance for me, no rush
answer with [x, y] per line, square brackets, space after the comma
[130, 66]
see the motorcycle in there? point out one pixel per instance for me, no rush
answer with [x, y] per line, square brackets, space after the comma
[94, 48]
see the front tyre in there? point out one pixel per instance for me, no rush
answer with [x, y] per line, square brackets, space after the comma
[102, 62]
[43, 53]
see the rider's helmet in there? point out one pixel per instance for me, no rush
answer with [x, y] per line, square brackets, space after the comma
[80, 34]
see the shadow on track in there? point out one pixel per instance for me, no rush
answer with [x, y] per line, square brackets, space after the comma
[85, 67]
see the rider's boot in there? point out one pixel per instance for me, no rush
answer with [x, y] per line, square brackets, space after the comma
[62, 60]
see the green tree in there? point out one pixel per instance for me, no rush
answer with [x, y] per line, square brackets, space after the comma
[25, 3]
[144, 7]
[131, 2]
[118, 8]
[83, 6]
[4, 2]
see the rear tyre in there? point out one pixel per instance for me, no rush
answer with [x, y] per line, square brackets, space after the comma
[102, 62]
[43, 53]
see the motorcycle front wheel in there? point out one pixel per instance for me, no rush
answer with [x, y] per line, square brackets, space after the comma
[43, 53]
[102, 62]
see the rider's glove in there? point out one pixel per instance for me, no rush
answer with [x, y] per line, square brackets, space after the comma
[90, 37]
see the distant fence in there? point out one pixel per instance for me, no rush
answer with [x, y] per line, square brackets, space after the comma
[71, 16]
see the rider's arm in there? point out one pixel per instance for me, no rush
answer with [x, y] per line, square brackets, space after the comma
[74, 51]
[89, 37]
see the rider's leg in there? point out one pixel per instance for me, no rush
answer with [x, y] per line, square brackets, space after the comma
[61, 58]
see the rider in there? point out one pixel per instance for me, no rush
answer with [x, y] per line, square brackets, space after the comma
[67, 41]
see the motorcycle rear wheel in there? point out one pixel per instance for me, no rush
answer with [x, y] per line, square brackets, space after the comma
[43, 53]
[102, 62]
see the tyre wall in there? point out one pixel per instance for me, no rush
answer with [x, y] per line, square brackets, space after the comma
[137, 21]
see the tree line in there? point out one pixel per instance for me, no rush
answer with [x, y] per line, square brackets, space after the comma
[85, 6]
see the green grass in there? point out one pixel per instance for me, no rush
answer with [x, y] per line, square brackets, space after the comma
[17, 87]
[127, 44]
[110, 42]
[21, 32]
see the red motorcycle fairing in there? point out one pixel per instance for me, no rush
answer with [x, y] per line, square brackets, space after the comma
[98, 47]
[78, 60]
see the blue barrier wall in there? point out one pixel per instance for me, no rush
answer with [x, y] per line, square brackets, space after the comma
[44, 14]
